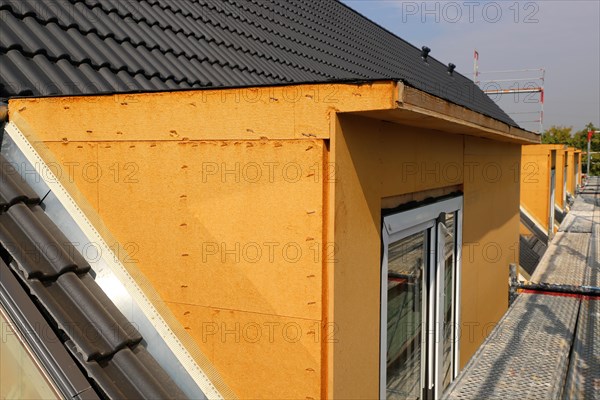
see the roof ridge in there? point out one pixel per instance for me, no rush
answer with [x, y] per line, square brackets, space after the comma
[396, 36]
[358, 55]
[373, 43]
[212, 7]
[321, 31]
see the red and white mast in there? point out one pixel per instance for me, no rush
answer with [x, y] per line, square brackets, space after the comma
[534, 85]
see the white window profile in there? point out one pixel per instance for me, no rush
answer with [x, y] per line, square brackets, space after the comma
[420, 300]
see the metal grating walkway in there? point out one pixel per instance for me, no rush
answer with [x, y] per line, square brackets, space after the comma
[583, 381]
[507, 367]
[565, 261]
[547, 346]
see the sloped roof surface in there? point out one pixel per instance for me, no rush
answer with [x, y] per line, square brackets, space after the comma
[528, 257]
[106, 345]
[67, 47]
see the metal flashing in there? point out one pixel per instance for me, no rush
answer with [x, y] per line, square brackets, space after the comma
[76, 302]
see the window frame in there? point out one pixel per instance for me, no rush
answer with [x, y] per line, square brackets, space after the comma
[552, 197]
[396, 227]
[40, 340]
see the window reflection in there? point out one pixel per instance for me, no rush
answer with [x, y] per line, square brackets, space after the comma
[20, 377]
[448, 304]
[406, 261]
[420, 275]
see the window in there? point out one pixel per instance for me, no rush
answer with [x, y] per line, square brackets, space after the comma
[552, 206]
[576, 172]
[565, 177]
[34, 363]
[20, 375]
[420, 278]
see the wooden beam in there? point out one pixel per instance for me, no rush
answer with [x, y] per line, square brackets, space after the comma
[425, 104]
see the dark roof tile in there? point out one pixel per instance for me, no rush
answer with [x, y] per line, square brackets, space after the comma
[39, 9]
[528, 258]
[13, 79]
[130, 373]
[106, 50]
[247, 42]
[130, 29]
[104, 342]
[67, 76]
[94, 82]
[8, 33]
[127, 79]
[76, 41]
[113, 81]
[161, 64]
[86, 18]
[53, 38]
[16, 65]
[171, 84]
[141, 80]
[13, 188]
[86, 315]
[40, 249]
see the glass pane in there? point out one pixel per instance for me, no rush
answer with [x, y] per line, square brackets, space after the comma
[406, 260]
[448, 310]
[20, 377]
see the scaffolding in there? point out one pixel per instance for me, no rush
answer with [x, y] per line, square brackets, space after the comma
[519, 85]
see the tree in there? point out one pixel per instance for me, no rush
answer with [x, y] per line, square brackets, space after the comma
[580, 138]
[557, 134]
[580, 141]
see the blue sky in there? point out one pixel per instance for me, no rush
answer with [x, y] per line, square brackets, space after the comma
[561, 36]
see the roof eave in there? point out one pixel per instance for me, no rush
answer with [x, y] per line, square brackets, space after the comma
[414, 107]
[302, 110]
